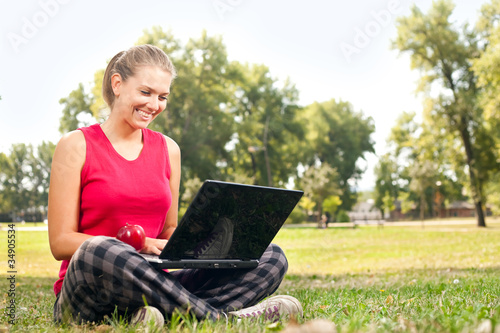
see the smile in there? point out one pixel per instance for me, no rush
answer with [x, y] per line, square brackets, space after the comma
[145, 114]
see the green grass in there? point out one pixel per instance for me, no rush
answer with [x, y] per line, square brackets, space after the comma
[369, 279]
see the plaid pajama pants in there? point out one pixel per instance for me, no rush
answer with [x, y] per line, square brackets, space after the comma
[106, 274]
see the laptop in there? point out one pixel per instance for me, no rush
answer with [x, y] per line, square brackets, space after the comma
[227, 225]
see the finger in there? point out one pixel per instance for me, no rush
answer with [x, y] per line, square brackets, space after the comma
[156, 250]
[160, 244]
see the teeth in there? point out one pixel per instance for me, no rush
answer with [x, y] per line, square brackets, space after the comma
[144, 114]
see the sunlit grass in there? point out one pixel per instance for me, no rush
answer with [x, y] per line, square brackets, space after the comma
[33, 256]
[372, 249]
[368, 279]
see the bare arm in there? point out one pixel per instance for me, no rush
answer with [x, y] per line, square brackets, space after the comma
[156, 245]
[64, 196]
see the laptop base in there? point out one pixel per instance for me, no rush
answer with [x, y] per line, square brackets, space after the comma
[202, 263]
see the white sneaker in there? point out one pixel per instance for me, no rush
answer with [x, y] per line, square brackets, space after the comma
[218, 243]
[147, 316]
[272, 309]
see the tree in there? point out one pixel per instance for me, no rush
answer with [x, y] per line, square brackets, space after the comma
[388, 203]
[444, 55]
[319, 183]
[391, 171]
[486, 66]
[331, 203]
[422, 178]
[406, 203]
[387, 182]
[339, 136]
[16, 173]
[24, 178]
[41, 166]
[5, 204]
[411, 144]
[268, 130]
[78, 103]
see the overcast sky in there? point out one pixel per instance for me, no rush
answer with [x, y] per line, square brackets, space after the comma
[329, 49]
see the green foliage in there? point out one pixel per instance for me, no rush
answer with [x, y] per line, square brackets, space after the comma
[486, 65]
[297, 216]
[76, 104]
[191, 187]
[387, 178]
[331, 203]
[422, 178]
[307, 204]
[419, 159]
[24, 177]
[444, 54]
[319, 183]
[492, 195]
[98, 108]
[342, 216]
[406, 203]
[339, 136]
[196, 117]
[267, 142]
[388, 203]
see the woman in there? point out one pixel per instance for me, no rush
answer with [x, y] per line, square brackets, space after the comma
[109, 174]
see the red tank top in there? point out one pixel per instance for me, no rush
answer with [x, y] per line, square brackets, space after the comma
[116, 191]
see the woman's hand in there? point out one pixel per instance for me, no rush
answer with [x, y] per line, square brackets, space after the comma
[154, 246]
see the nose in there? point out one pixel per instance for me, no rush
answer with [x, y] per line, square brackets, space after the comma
[153, 103]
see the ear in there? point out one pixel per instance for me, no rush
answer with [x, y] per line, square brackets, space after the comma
[116, 83]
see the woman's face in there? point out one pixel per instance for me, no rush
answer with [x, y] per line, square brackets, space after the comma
[143, 96]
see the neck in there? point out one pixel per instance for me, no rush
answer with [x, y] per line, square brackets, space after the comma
[120, 132]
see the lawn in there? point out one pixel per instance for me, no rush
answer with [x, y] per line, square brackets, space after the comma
[368, 279]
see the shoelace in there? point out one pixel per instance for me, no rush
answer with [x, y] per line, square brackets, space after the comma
[273, 314]
[205, 244]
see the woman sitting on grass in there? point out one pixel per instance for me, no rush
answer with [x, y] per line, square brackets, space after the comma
[108, 174]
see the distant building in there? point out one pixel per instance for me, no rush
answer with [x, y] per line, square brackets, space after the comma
[454, 209]
[365, 211]
[462, 209]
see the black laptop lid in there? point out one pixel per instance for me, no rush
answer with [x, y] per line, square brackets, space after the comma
[233, 221]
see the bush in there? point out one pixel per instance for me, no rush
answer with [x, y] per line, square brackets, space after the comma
[342, 216]
[296, 216]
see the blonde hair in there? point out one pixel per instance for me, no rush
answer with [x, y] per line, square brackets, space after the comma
[125, 63]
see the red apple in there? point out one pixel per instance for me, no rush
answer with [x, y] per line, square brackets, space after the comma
[133, 235]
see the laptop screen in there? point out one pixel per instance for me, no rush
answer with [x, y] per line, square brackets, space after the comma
[231, 221]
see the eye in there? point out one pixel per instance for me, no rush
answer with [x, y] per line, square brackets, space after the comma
[144, 92]
[163, 98]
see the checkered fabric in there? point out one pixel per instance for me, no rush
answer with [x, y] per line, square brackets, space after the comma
[106, 274]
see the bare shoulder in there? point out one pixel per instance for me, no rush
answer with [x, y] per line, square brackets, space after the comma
[173, 147]
[75, 136]
[73, 140]
[71, 149]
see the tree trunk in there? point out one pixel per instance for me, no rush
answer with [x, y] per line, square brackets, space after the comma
[474, 182]
[422, 208]
[320, 213]
[480, 214]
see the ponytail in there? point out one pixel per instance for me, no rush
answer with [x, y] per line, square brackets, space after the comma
[125, 64]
